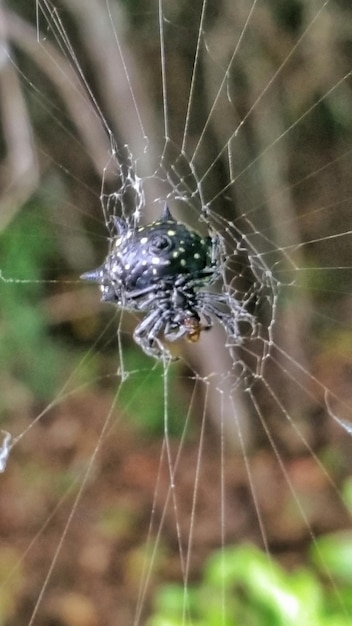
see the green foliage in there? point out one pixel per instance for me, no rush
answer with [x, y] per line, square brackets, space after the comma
[242, 586]
[347, 493]
[29, 359]
[142, 395]
[333, 553]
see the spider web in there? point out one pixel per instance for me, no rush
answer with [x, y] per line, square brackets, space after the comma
[223, 162]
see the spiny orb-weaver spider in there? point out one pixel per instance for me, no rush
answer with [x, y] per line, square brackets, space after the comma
[164, 270]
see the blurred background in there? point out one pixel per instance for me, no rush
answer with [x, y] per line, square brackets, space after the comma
[290, 162]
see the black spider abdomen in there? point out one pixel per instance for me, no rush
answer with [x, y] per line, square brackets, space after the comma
[162, 250]
[163, 270]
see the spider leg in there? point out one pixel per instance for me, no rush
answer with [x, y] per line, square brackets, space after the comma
[173, 332]
[145, 335]
[215, 249]
[228, 321]
[213, 302]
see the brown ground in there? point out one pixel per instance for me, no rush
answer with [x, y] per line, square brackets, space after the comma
[97, 569]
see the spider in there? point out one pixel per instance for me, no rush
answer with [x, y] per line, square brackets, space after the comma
[164, 270]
